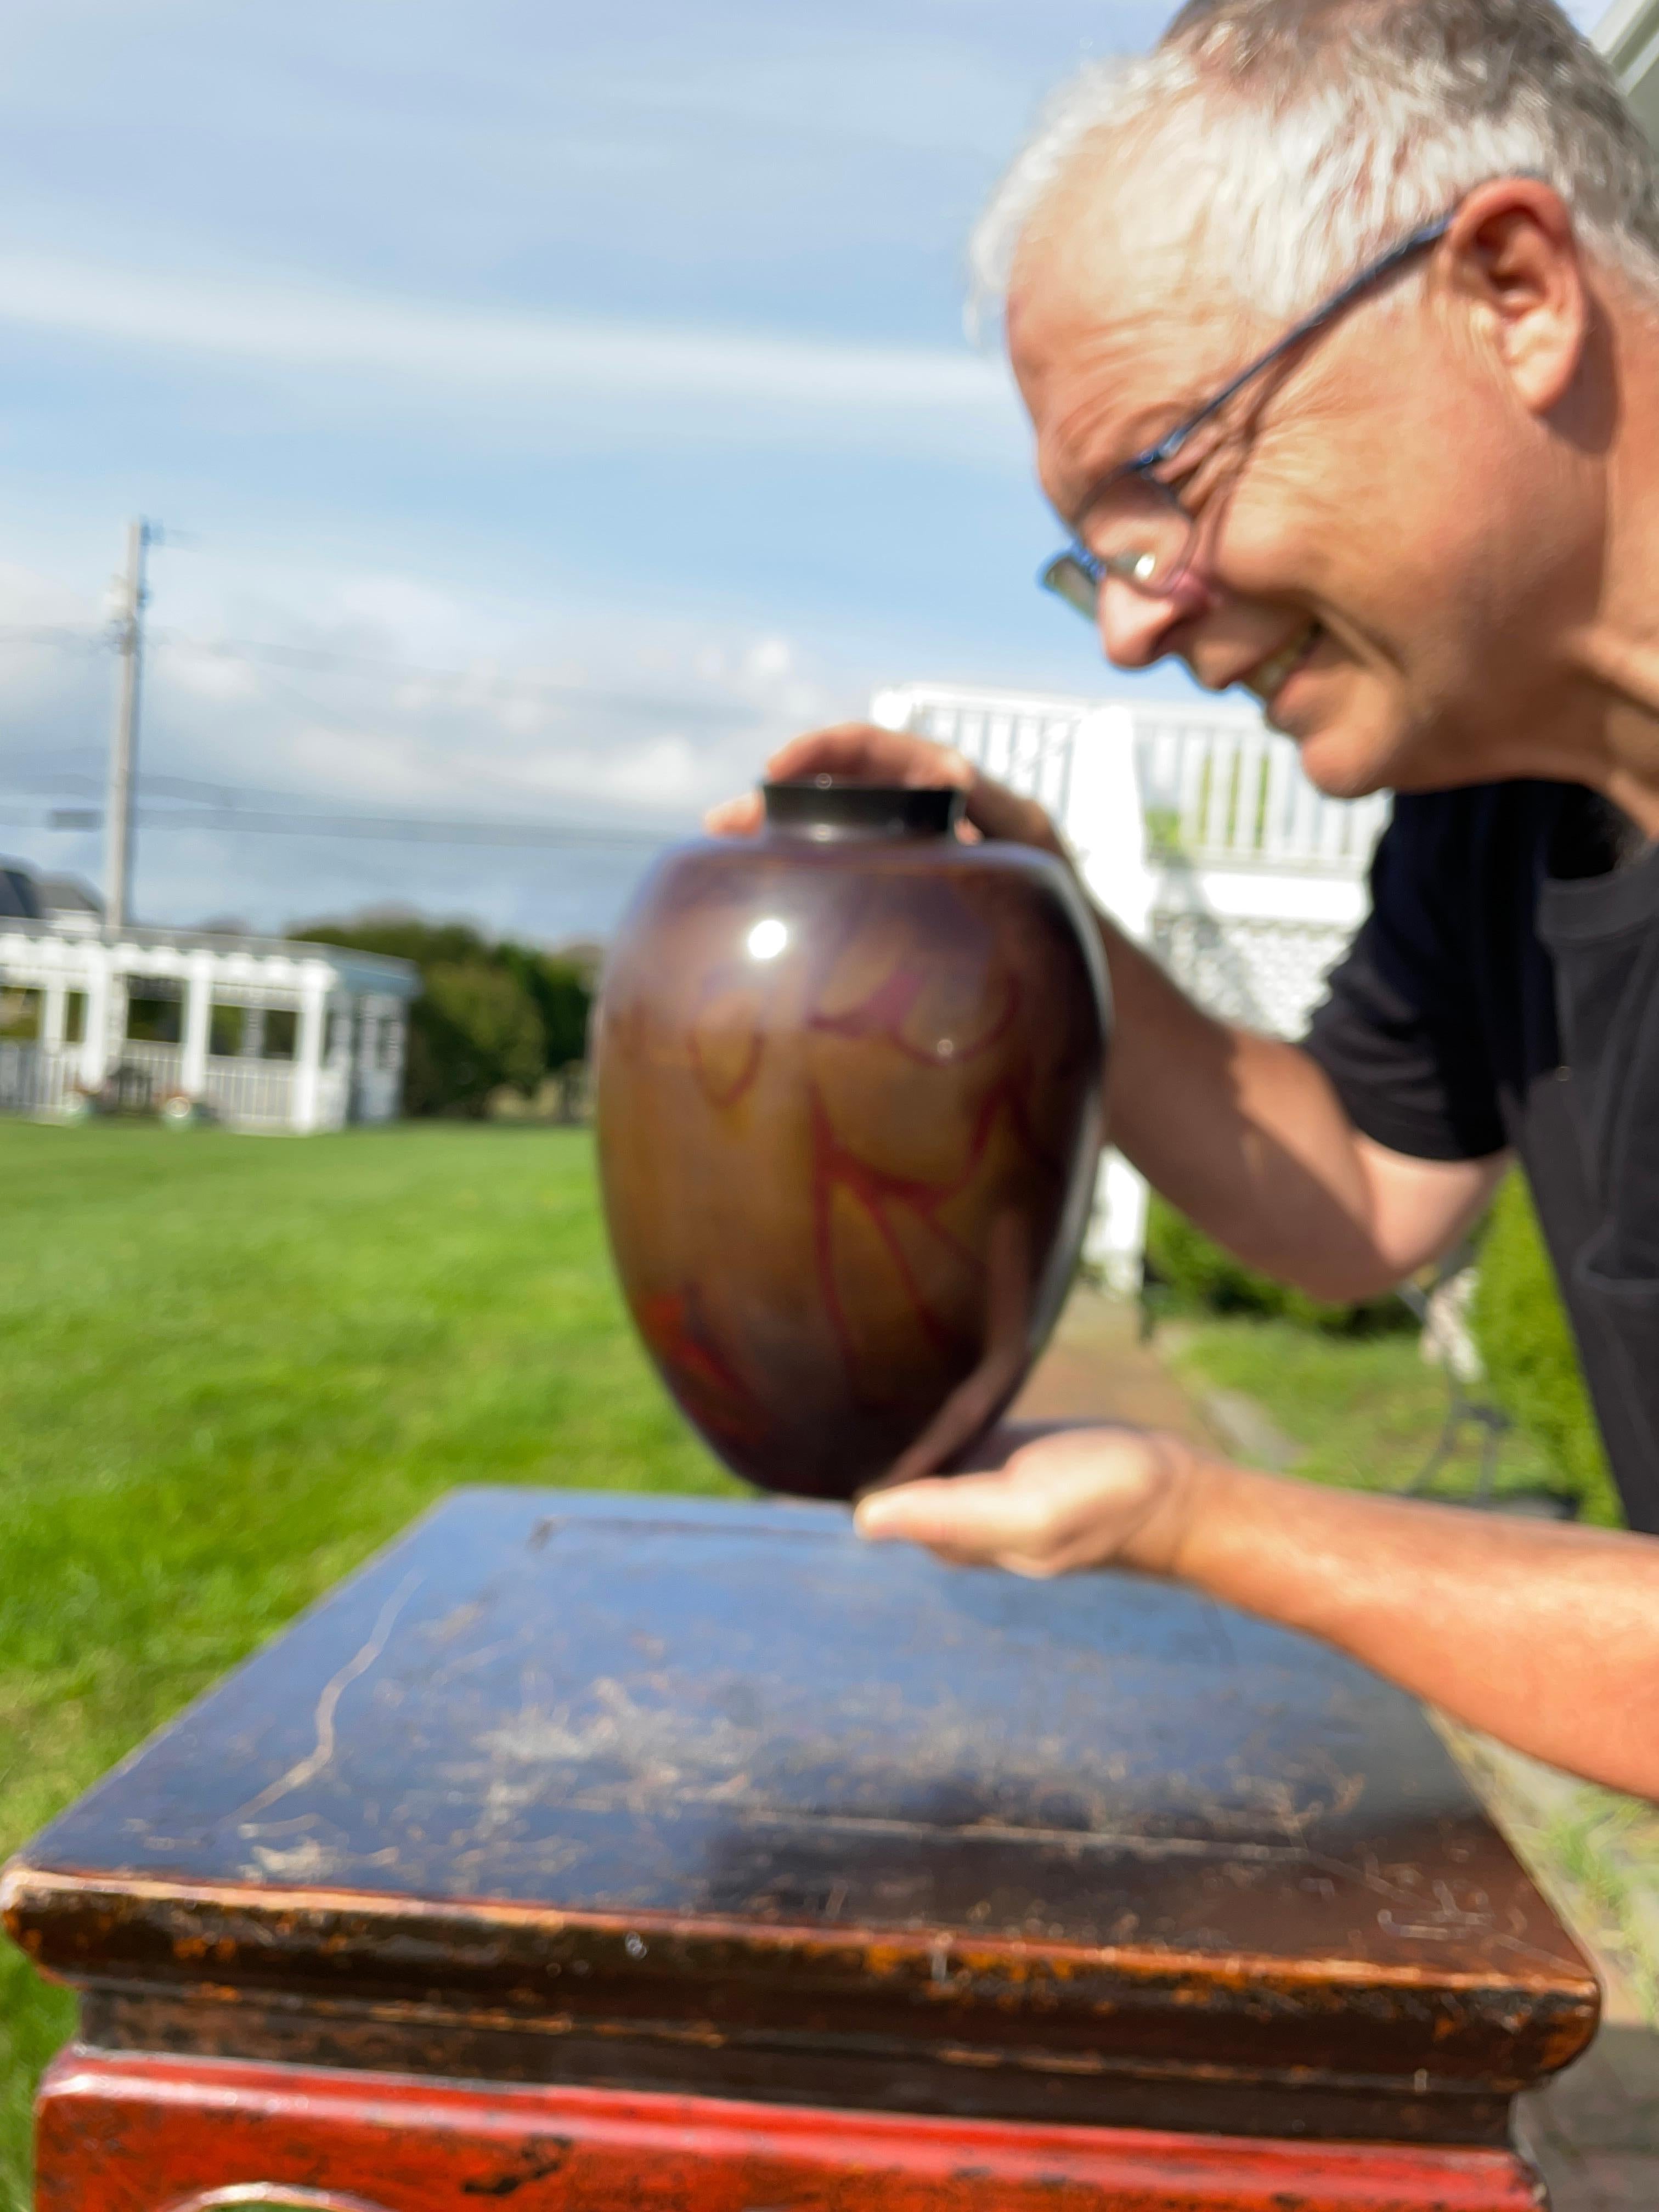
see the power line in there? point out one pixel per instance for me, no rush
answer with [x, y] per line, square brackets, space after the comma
[89, 640]
[557, 691]
[407, 829]
[400, 829]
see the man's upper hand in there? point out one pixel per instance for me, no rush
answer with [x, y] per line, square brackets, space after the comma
[859, 752]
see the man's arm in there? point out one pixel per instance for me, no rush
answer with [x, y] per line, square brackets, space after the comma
[1245, 1134]
[1546, 1636]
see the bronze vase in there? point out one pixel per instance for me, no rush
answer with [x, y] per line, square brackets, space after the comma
[850, 1095]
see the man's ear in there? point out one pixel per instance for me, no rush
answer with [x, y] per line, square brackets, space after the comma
[1513, 261]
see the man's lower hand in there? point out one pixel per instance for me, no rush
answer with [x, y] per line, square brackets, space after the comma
[1069, 1501]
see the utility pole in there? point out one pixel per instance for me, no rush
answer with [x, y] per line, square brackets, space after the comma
[124, 735]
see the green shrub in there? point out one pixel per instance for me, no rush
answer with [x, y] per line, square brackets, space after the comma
[472, 1029]
[488, 1014]
[1193, 1274]
[1525, 1339]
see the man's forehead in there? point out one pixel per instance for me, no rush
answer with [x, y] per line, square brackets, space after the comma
[1136, 252]
[1123, 314]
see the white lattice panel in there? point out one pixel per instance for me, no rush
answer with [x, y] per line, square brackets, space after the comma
[1265, 975]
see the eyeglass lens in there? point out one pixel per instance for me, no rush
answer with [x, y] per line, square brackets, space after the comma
[1068, 579]
[1138, 535]
[1141, 533]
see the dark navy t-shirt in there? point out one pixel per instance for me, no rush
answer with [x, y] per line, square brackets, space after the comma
[1504, 992]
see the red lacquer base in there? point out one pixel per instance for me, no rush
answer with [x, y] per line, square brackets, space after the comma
[136, 2133]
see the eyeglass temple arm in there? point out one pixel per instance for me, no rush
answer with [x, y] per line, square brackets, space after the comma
[1372, 274]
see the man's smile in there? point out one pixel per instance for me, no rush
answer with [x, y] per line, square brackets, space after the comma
[1268, 678]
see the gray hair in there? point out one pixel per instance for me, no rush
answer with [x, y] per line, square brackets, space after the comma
[1330, 129]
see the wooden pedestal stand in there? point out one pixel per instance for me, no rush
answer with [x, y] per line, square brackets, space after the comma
[602, 1852]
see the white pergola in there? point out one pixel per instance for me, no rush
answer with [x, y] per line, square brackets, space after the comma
[349, 1016]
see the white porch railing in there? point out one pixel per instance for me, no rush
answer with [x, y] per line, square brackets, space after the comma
[246, 1094]
[1197, 830]
[1025, 740]
[157, 1065]
[1223, 790]
[250, 1094]
[1217, 788]
[35, 1078]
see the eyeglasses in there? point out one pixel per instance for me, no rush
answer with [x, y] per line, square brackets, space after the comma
[1143, 534]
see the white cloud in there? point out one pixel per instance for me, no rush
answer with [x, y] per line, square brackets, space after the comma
[660, 716]
[665, 771]
[207, 676]
[26, 597]
[315, 327]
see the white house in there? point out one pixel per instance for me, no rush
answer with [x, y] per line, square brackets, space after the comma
[1628, 35]
[1197, 830]
[266, 1034]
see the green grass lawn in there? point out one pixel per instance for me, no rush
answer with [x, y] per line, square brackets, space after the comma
[229, 1367]
[1362, 1412]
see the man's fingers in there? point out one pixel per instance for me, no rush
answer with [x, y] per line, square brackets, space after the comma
[975, 1515]
[1069, 1499]
[736, 818]
[872, 755]
[859, 752]
[996, 811]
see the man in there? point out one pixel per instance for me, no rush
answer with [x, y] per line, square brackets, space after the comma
[1338, 324]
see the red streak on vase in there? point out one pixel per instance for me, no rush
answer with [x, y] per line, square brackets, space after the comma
[710, 1388]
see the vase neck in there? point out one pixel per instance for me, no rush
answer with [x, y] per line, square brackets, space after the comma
[827, 811]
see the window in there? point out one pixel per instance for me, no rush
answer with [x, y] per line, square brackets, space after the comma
[20, 1014]
[154, 1017]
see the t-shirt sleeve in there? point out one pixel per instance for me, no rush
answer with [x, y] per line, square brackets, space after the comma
[1399, 1033]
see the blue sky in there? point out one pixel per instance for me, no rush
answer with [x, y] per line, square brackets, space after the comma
[557, 406]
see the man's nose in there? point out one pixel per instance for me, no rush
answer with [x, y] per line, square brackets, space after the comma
[1136, 626]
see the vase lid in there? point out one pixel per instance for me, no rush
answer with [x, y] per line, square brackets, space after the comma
[825, 809]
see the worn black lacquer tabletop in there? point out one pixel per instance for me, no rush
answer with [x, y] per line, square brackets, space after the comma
[567, 1786]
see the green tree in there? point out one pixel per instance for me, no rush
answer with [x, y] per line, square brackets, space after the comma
[401, 937]
[472, 1029]
[490, 1013]
[562, 998]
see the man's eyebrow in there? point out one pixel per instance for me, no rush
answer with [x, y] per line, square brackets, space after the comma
[1147, 435]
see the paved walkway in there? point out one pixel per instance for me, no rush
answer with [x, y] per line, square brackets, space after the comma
[1096, 1368]
[1595, 2132]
